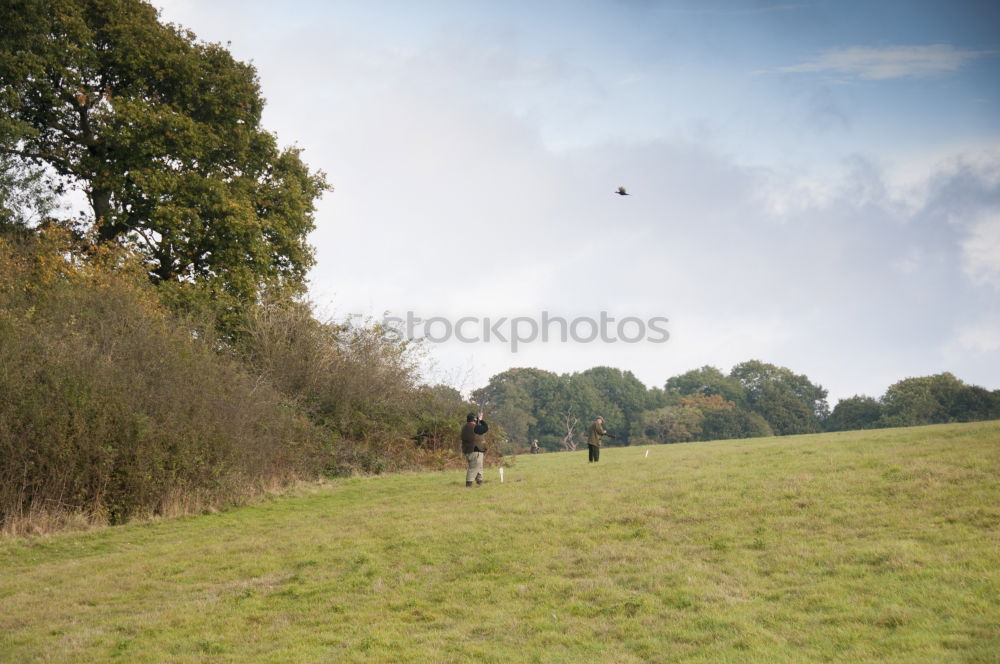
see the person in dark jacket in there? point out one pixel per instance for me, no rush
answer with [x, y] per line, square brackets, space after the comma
[594, 440]
[474, 447]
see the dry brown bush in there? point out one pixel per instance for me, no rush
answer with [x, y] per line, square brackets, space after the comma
[111, 408]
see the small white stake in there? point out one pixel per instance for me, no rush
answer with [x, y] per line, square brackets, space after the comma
[647, 455]
[501, 476]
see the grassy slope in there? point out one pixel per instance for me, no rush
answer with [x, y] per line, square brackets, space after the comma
[860, 546]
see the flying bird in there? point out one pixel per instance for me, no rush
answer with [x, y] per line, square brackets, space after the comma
[621, 192]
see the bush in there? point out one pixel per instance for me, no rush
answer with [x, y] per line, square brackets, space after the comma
[356, 380]
[112, 408]
[360, 383]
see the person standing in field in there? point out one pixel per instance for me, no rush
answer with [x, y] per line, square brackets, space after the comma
[594, 439]
[474, 447]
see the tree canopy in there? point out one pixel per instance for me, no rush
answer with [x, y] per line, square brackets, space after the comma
[556, 409]
[162, 133]
[857, 412]
[936, 399]
[756, 399]
[708, 381]
[789, 402]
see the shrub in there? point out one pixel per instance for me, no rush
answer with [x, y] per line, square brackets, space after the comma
[112, 408]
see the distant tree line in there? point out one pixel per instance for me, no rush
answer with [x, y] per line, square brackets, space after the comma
[914, 401]
[754, 399]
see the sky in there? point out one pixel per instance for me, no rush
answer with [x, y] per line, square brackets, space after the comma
[813, 184]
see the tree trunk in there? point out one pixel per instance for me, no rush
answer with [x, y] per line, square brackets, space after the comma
[568, 443]
[100, 200]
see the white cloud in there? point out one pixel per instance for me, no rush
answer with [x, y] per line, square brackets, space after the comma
[981, 250]
[910, 262]
[879, 63]
[789, 194]
[981, 337]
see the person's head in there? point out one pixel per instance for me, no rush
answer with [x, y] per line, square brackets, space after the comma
[600, 420]
[471, 417]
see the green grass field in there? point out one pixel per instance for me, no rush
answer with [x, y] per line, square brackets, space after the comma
[851, 547]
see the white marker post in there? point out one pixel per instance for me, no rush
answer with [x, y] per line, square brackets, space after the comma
[647, 455]
[501, 475]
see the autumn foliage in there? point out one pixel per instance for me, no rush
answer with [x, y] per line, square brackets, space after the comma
[112, 407]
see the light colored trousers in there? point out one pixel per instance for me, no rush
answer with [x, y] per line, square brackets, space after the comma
[475, 472]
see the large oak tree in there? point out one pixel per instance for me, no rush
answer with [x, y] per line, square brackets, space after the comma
[162, 132]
